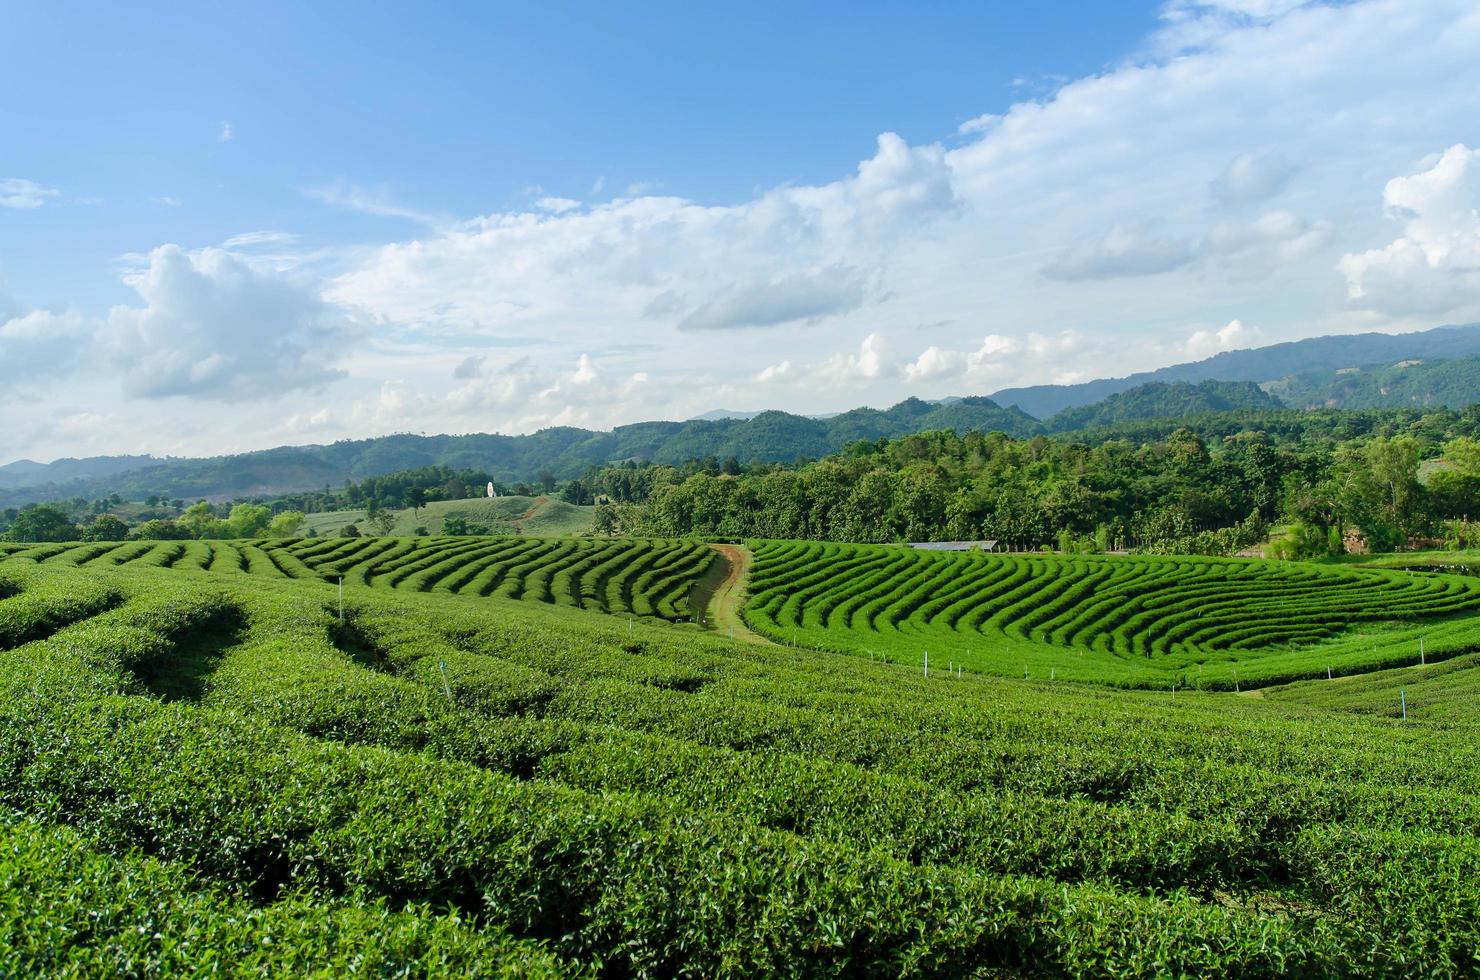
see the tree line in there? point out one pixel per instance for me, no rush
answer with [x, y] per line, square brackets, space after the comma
[1183, 493]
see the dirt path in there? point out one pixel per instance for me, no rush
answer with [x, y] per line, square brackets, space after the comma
[719, 595]
[533, 509]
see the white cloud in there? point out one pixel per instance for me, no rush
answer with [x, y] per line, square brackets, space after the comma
[803, 296]
[225, 134]
[771, 373]
[1234, 336]
[1122, 251]
[1273, 235]
[934, 364]
[368, 200]
[872, 361]
[1252, 178]
[215, 328]
[16, 192]
[557, 205]
[468, 368]
[255, 239]
[1434, 266]
[169, 202]
[41, 344]
[792, 254]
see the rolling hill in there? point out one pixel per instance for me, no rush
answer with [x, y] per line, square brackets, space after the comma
[1259, 364]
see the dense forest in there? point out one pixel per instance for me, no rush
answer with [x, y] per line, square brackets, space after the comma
[1184, 492]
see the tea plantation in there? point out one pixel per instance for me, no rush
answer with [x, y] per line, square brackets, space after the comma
[641, 577]
[1156, 622]
[204, 767]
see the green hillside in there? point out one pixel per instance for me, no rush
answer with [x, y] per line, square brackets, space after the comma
[1159, 622]
[565, 452]
[1158, 400]
[221, 767]
[1405, 384]
[542, 515]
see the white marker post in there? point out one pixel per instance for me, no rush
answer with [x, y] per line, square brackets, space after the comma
[1403, 700]
[927, 663]
[1421, 660]
[341, 600]
[1328, 673]
[442, 667]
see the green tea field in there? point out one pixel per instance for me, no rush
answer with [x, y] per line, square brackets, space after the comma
[206, 765]
[1134, 621]
[635, 577]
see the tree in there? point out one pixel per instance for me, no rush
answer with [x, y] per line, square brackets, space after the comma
[349, 531]
[105, 527]
[415, 499]
[41, 522]
[547, 481]
[201, 521]
[1394, 467]
[248, 520]
[383, 522]
[160, 530]
[285, 525]
[455, 524]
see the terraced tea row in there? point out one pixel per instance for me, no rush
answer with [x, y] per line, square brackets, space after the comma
[649, 578]
[539, 790]
[1133, 620]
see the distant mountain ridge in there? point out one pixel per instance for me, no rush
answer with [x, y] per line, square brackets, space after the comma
[1410, 383]
[565, 451]
[1259, 364]
[1409, 373]
[1159, 400]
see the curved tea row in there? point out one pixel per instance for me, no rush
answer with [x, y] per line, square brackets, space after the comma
[1106, 617]
[638, 577]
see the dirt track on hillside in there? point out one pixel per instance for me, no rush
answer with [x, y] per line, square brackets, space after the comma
[719, 595]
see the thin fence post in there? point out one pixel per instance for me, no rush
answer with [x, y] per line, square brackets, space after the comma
[927, 663]
[1420, 651]
[341, 600]
[1403, 700]
[1328, 672]
[442, 668]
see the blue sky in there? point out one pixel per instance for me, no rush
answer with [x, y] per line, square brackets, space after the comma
[459, 109]
[228, 227]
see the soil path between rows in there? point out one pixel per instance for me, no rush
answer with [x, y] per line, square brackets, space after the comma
[719, 595]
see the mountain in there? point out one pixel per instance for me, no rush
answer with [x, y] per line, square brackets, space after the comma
[26, 472]
[1411, 383]
[1260, 364]
[720, 414]
[565, 452]
[1158, 400]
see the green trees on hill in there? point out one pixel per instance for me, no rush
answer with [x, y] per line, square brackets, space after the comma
[1182, 493]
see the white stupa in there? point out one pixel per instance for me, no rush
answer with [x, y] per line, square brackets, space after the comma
[491, 492]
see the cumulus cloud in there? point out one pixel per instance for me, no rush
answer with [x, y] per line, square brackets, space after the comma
[1252, 178]
[1234, 336]
[1273, 235]
[214, 327]
[804, 296]
[16, 192]
[1125, 250]
[1434, 266]
[225, 134]
[872, 361]
[792, 254]
[468, 368]
[40, 344]
[992, 358]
